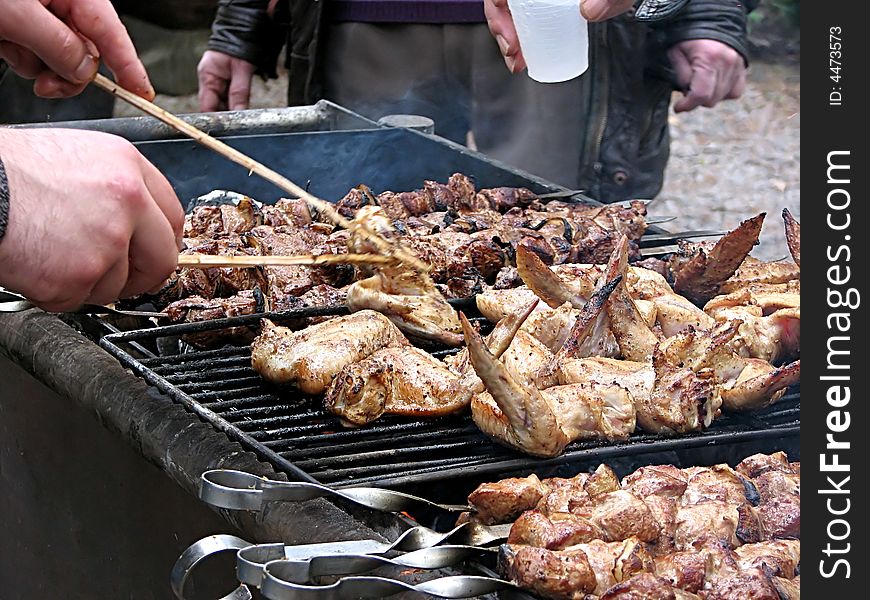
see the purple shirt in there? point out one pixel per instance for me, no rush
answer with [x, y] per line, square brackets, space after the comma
[406, 11]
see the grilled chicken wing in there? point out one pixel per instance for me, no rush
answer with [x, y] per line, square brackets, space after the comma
[753, 272]
[792, 235]
[700, 269]
[543, 422]
[408, 297]
[768, 297]
[576, 284]
[312, 357]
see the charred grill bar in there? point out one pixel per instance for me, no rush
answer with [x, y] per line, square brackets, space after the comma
[56, 378]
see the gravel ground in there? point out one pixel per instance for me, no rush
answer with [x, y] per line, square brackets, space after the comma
[737, 159]
[727, 163]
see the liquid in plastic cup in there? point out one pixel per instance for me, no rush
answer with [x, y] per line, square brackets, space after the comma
[554, 38]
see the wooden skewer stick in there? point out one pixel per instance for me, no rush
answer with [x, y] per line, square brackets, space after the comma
[321, 206]
[207, 261]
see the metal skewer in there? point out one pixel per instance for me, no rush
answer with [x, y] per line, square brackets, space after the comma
[322, 206]
[207, 261]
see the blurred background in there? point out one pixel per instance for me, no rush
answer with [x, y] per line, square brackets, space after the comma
[727, 164]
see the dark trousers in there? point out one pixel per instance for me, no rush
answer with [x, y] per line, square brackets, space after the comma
[455, 75]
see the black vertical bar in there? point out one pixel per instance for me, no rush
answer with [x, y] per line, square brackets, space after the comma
[834, 173]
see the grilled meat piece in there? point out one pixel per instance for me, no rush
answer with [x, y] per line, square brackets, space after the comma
[503, 501]
[779, 518]
[311, 358]
[700, 269]
[503, 199]
[684, 570]
[753, 272]
[565, 574]
[208, 221]
[324, 295]
[397, 381]
[196, 308]
[292, 212]
[792, 235]
[758, 464]
[554, 531]
[615, 562]
[646, 586]
[619, 515]
[779, 558]
[409, 298]
[658, 480]
[543, 422]
[765, 297]
[293, 280]
[753, 584]
[788, 589]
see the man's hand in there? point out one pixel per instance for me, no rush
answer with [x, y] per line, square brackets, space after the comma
[224, 82]
[708, 71]
[501, 25]
[90, 219]
[59, 43]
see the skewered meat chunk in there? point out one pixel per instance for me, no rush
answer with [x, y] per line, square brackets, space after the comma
[615, 562]
[747, 585]
[620, 515]
[646, 586]
[684, 570]
[779, 518]
[780, 558]
[398, 381]
[788, 589]
[310, 359]
[504, 500]
[758, 464]
[565, 574]
[554, 531]
[659, 480]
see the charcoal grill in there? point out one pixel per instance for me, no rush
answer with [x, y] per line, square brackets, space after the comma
[293, 432]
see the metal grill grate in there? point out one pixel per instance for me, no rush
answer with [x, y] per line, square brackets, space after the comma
[296, 435]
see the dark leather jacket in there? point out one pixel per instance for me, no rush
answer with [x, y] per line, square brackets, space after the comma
[627, 91]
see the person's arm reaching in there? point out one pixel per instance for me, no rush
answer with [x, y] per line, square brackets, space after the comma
[59, 44]
[88, 218]
[244, 41]
[501, 25]
[707, 44]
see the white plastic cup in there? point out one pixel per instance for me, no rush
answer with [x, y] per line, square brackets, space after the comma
[554, 38]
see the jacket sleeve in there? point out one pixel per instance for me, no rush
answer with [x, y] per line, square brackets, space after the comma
[720, 20]
[244, 29]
